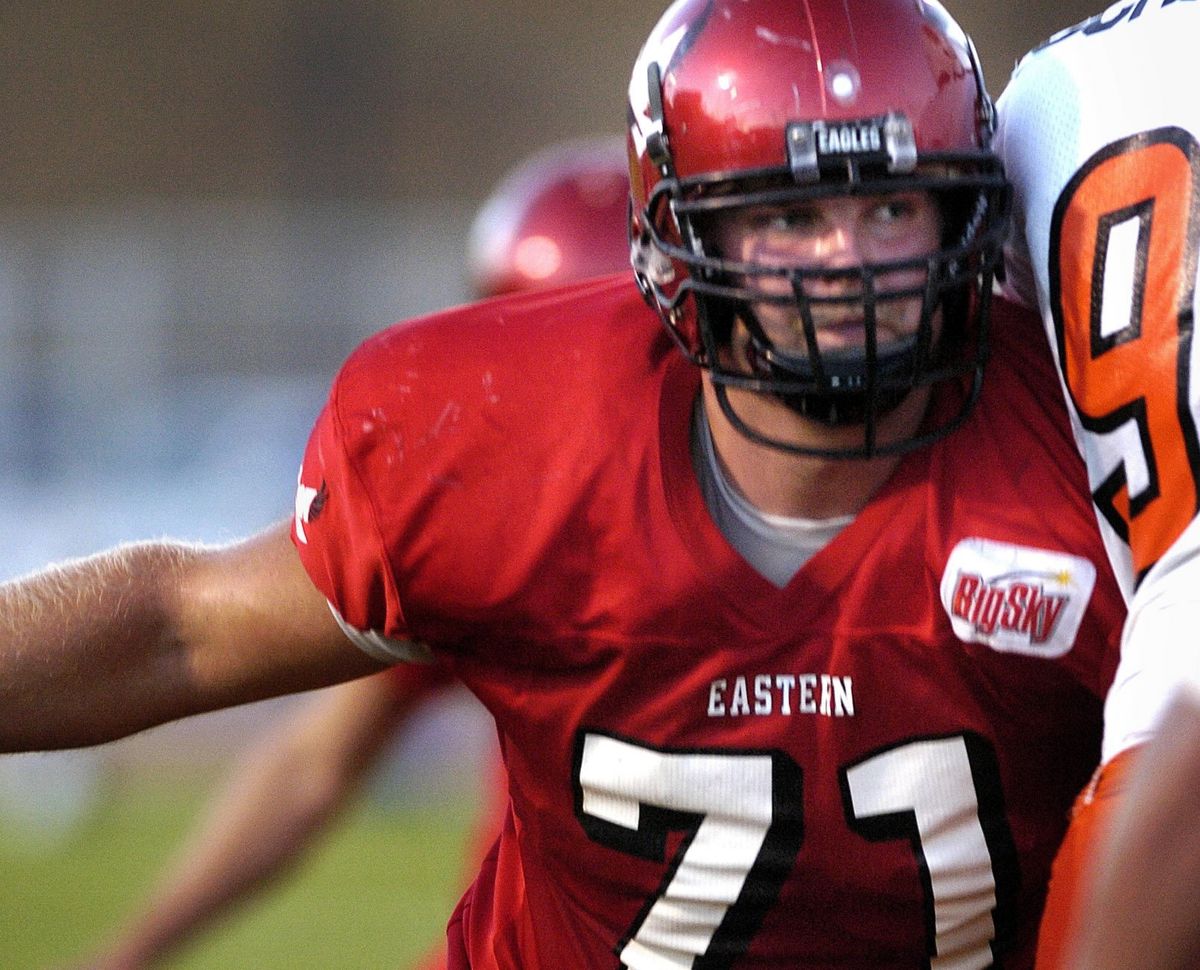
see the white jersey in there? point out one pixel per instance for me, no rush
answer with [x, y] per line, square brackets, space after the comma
[1099, 130]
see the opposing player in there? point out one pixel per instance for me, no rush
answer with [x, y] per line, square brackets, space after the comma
[559, 216]
[794, 627]
[1100, 138]
[1140, 898]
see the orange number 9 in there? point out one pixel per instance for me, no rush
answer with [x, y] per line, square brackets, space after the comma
[1122, 277]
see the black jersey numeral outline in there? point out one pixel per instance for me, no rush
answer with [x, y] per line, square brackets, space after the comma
[1131, 385]
[740, 812]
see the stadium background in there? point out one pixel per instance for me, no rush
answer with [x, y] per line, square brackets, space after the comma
[204, 206]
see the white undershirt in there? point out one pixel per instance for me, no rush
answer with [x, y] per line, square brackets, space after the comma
[775, 545]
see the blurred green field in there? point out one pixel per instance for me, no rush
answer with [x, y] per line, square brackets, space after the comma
[375, 894]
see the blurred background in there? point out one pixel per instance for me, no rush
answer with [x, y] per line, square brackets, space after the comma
[204, 206]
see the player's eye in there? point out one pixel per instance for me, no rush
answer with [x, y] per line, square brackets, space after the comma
[896, 209]
[789, 219]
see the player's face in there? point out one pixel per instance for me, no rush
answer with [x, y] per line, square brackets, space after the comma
[842, 232]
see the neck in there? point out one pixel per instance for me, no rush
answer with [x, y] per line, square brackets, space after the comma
[802, 486]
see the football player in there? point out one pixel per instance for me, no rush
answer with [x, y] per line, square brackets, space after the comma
[557, 217]
[1105, 162]
[794, 627]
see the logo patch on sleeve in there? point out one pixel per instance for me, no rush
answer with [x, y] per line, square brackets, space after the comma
[1016, 599]
[309, 503]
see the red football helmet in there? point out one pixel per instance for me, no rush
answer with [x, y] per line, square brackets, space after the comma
[737, 103]
[560, 216]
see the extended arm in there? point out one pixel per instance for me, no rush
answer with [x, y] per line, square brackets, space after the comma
[102, 647]
[282, 795]
[1143, 909]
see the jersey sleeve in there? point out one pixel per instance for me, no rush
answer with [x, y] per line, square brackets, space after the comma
[413, 683]
[1011, 143]
[1070, 877]
[336, 531]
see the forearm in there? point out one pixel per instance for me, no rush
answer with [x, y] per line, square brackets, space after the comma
[275, 806]
[84, 646]
[102, 647]
[283, 795]
[1144, 907]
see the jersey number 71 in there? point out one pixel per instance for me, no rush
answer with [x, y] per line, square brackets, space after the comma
[742, 815]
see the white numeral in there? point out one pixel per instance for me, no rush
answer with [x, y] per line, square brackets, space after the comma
[742, 813]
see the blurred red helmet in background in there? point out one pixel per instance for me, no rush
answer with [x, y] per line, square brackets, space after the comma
[559, 216]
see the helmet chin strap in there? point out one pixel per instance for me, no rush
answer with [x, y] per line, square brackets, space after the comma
[853, 405]
[866, 449]
[834, 408]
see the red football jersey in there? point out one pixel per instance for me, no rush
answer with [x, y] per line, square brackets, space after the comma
[871, 767]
